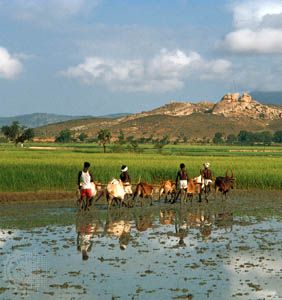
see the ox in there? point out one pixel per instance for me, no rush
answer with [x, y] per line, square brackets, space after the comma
[115, 191]
[224, 184]
[168, 187]
[144, 190]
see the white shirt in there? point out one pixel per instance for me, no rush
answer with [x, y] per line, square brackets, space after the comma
[85, 180]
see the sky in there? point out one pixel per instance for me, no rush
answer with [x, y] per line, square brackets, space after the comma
[97, 57]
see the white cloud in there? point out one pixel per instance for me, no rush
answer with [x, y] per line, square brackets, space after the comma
[45, 11]
[250, 14]
[166, 71]
[257, 27]
[10, 66]
[266, 40]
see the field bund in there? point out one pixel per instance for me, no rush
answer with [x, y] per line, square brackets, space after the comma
[53, 173]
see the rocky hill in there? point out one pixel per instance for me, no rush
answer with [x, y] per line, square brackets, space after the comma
[231, 105]
[237, 105]
[234, 112]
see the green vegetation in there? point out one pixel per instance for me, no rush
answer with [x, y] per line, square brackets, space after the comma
[56, 170]
[249, 138]
[17, 133]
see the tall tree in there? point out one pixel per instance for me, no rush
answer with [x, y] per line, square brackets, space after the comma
[104, 137]
[218, 138]
[277, 137]
[12, 132]
[65, 136]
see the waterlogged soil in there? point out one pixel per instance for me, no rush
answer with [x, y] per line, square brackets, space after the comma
[227, 249]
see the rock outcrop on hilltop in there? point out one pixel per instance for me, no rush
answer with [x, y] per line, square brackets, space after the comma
[236, 105]
[175, 109]
[231, 105]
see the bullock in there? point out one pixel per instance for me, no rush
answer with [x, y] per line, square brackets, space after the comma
[144, 190]
[224, 184]
[193, 188]
[168, 187]
[115, 191]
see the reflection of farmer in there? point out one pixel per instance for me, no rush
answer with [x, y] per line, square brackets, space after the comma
[85, 234]
[181, 227]
[84, 182]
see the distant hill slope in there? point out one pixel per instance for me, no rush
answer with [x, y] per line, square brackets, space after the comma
[193, 120]
[37, 119]
[268, 97]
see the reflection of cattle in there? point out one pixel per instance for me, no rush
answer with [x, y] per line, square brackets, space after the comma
[120, 229]
[143, 223]
[224, 220]
[168, 187]
[201, 221]
[167, 216]
[224, 184]
[144, 190]
[115, 192]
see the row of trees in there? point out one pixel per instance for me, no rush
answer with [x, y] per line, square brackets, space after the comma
[249, 138]
[104, 137]
[17, 133]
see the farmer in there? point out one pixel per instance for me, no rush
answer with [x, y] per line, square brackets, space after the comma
[206, 177]
[182, 176]
[84, 184]
[124, 176]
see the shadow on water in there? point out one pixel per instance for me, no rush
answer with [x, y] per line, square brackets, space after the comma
[220, 250]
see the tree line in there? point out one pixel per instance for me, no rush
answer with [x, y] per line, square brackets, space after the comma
[17, 133]
[249, 138]
[104, 137]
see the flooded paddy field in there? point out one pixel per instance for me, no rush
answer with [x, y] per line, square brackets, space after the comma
[218, 250]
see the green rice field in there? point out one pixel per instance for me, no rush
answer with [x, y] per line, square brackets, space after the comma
[56, 169]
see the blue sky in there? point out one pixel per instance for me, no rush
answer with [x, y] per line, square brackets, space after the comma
[96, 57]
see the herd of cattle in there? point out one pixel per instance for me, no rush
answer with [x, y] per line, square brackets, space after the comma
[120, 193]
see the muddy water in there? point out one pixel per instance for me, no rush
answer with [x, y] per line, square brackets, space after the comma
[219, 250]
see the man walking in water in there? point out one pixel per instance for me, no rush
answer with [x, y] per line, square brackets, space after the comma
[182, 176]
[84, 184]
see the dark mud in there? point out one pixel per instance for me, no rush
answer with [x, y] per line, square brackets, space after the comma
[220, 250]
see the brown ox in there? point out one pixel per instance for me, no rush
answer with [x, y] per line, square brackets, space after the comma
[224, 184]
[168, 187]
[144, 190]
[193, 188]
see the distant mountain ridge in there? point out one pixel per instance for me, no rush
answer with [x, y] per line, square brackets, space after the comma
[37, 119]
[41, 119]
[274, 97]
[234, 112]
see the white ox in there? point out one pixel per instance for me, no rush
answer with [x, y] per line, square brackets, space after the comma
[117, 191]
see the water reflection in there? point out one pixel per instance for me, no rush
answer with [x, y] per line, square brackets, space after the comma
[86, 229]
[117, 226]
[160, 252]
[122, 225]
